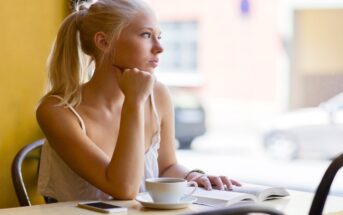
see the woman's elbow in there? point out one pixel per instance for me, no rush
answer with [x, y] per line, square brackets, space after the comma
[125, 192]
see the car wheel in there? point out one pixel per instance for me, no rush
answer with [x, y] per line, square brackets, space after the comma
[281, 146]
[185, 144]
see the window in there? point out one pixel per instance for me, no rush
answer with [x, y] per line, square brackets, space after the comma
[180, 43]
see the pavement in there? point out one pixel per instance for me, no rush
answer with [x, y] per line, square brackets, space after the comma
[241, 156]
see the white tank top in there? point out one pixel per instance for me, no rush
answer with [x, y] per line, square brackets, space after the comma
[58, 181]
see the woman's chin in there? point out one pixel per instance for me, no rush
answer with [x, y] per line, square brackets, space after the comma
[150, 70]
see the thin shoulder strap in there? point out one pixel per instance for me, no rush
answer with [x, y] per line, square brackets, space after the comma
[153, 104]
[82, 124]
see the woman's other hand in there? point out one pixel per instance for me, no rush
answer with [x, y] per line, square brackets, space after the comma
[210, 182]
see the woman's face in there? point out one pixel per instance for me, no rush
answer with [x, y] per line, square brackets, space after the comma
[138, 45]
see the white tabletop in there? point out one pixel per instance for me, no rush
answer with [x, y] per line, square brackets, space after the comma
[296, 203]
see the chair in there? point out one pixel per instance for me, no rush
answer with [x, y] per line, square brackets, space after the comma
[17, 177]
[241, 210]
[324, 187]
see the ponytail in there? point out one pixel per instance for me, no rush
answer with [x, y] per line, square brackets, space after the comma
[67, 64]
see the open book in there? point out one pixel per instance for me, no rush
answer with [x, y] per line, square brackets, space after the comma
[246, 193]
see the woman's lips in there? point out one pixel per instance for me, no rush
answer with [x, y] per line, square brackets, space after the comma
[153, 63]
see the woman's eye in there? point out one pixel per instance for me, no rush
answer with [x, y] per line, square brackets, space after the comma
[146, 35]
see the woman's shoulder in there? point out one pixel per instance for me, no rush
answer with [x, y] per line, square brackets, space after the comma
[161, 91]
[50, 106]
[54, 117]
[48, 102]
[162, 98]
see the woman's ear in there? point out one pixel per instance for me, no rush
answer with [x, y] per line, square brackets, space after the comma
[101, 41]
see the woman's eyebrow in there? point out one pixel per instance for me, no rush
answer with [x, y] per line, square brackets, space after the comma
[158, 31]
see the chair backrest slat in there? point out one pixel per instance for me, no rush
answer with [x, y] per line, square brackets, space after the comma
[324, 186]
[17, 176]
[241, 210]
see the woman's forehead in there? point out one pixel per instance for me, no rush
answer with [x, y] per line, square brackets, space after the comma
[144, 21]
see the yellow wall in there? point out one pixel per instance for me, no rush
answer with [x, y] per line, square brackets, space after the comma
[27, 30]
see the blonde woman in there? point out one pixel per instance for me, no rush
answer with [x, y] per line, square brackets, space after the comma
[107, 134]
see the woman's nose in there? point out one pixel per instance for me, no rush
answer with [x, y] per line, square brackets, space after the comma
[157, 47]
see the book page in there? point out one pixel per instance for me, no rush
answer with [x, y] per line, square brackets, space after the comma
[262, 192]
[221, 198]
[254, 190]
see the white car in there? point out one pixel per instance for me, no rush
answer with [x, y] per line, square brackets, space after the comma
[315, 132]
[189, 118]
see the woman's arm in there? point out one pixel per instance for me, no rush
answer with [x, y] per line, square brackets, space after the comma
[119, 176]
[84, 157]
[169, 167]
[167, 161]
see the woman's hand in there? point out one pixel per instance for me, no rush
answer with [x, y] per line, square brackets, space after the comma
[136, 84]
[210, 182]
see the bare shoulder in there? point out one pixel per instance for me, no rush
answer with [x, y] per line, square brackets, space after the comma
[48, 105]
[162, 94]
[162, 98]
[161, 91]
[49, 112]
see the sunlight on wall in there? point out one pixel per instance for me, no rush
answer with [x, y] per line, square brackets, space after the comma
[27, 30]
[320, 41]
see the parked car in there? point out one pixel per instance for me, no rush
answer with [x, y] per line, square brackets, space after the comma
[189, 118]
[314, 131]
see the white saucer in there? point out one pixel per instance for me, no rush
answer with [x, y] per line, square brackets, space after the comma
[146, 201]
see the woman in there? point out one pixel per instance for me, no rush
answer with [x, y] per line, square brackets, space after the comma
[106, 135]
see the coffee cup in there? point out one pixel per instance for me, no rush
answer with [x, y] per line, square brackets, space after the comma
[169, 190]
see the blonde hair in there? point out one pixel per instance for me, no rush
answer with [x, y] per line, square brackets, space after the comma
[71, 61]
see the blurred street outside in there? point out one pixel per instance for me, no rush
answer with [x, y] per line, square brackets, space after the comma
[240, 155]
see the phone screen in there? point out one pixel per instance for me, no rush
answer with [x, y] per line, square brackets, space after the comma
[102, 205]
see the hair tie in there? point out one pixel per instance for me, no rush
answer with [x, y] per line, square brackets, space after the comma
[79, 16]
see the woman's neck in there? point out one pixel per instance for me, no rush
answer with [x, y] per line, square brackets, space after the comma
[103, 89]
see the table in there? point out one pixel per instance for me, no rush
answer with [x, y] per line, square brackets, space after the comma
[297, 203]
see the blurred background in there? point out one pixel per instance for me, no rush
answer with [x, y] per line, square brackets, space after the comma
[255, 83]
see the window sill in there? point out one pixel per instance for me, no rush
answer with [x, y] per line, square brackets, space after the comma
[180, 79]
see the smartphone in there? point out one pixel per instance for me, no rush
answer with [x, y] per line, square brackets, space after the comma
[101, 207]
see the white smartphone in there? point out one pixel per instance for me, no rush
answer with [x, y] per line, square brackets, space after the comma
[102, 207]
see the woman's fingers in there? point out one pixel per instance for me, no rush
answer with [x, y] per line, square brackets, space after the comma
[217, 182]
[136, 84]
[205, 182]
[234, 182]
[227, 182]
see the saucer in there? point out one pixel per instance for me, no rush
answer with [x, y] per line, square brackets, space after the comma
[146, 201]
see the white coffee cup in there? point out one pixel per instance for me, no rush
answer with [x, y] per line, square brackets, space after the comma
[168, 190]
